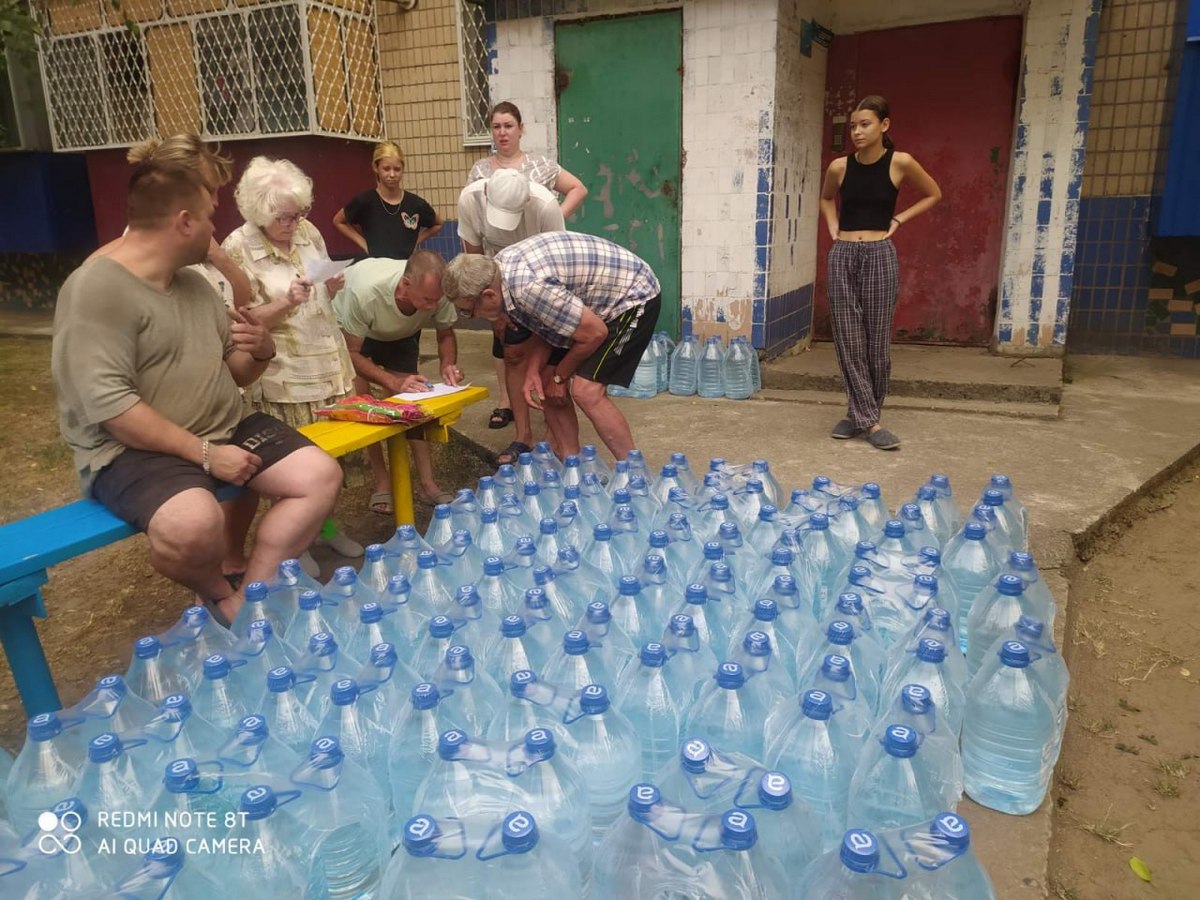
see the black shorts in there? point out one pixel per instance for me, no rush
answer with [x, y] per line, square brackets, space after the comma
[615, 361]
[135, 484]
[395, 356]
[513, 334]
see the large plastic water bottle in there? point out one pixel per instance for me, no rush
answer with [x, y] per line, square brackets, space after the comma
[362, 740]
[730, 712]
[809, 741]
[252, 756]
[61, 860]
[913, 706]
[464, 511]
[788, 831]
[566, 604]
[177, 732]
[325, 662]
[997, 537]
[281, 870]
[994, 612]
[402, 548]
[849, 607]
[459, 562]
[347, 825]
[576, 663]
[493, 540]
[441, 526]
[645, 378]
[45, 770]
[435, 859]
[167, 869]
[431, 653]
[111, 706]
[607, 638]
[151, 675]
[608, 754]
[836, 678]
[510, 651]
[523, 861]
[685, 363]
[971, 564]
[738, 372]
[626, 610]
[221, 698]
[531, 703]
[470, 697]
[636, 859]
[851, 870]
[195, 798]
[1009, 735]
[466, 780]
[691, 661]
[429, 594]
[710, 369]
[376, 570]
[940, 669]
[867, 660]
[111, 779]
[474, 625]
[581, 577]
[644, 696]
[261, 651]
[707, 619]
[413, 749]
[1008, 521]
[310, 619]
[1046, 664]
[934, 512]
[1023, 566]
[1003, 484]
[899, 782]
[346, 595]
[284, 591]
[288, 719]
[872, 506]
[500, 596]
[768, 675]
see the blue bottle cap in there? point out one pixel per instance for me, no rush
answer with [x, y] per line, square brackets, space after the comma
[953, 829]
[839, 632]
[548, 526]
[621, 466]
[717, 463]
[73, 806]
[572, 461]
[654, 564]
[493, 565]
[426, 559]
[344, 692]
[486, 483]
[729, 531]
[767, 512]
[462, 538]
[635, 456]
[43, 727]
[720, 573]
[253, 729]
[766, 610]
[588, 452]
[280, 679]
[781, 556]
[775, 790]
[593, 699]
[912, 512]
[256, 592]
[714, 550]
[696, 594]
[757, 643]
[420, 835]
[784, 584]
[931, 556]
[1014, 654]
[927, 492]
[659, 539]
[196, 616]
[974, 531]
[916, 699]
[525, 459]
[568, 509]
[984, 513]
[630, 587]
[114, 683]
[798, 495]
[488, 515]
[870, 490]
[440, 627]
[850, 603]
[322, 644]
[931, 651]
[730, 676]
[505, 472]
[459, 658]
[383, 655]
[450, 741]
[290, 568]
[539, 743]
[310, 600]
[850, 503]
[754, 486]
[512, 626]
[653, 655]
[939, 481]
[993, 497]
[575, 643]
[406, 533]
[1010, 585]
[542, 448]
[216, 666]
[643, 797]
[525, 546]
[669, 471]
[677, 495]
[927, 583]
[424, 696]
[1030, 628]
[682, 626]
[835, 667]
[1021, 561]
[467, 595]
[147, 647]
[621, 497]
[344, 576]
[535, 598]
[598, 613]
[181, 775]
[695, 755]
[816, 705]
[602, 532]
[104, 748]
[518, 681]
[679, 460]
[938, 619]
[258, 802]
[374, 552]
[260, 630]
[519, 833]
[820, 482]
[859, 851]
[177, 704]
[818, 522]
[370, 613]
[738, 830]
[718, 501]
[893, 528]
[543, 575]
[441, 511]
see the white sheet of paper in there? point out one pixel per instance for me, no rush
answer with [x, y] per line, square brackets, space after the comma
[323, 269]
[438, 390]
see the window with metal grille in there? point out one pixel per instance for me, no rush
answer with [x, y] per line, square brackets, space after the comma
[474, 66]
[221, 68]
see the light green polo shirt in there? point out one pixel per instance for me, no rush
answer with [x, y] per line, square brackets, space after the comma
[366, 305]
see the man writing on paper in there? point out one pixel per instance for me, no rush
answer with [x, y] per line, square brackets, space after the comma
[381, 310]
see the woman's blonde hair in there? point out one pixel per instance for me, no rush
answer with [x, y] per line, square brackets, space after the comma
[267, 186]
[385, 149]
[188, 150]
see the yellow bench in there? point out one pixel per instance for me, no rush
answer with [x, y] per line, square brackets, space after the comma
[340, 438]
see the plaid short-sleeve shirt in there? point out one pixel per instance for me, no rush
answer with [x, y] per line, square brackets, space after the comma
[547, 281]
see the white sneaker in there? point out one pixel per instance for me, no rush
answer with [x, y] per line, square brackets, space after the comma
[309, 565]
[342, 545]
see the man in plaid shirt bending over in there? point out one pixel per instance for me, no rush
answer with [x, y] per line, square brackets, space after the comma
[590, 307]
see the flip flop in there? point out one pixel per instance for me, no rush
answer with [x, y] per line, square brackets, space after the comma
[381, 503]
[500, 418]
[508, 456]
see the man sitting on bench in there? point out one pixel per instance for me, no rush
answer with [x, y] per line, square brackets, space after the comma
[147, 366]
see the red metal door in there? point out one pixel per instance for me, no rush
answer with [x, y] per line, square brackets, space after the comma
[952, 91]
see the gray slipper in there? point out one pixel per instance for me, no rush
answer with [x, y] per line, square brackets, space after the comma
[883, 440]
[844, 430]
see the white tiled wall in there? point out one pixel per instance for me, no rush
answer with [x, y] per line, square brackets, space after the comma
[524, 74]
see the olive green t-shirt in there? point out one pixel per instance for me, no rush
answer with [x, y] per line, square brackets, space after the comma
[118, 339]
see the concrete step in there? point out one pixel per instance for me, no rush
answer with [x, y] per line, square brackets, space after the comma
[836, 399]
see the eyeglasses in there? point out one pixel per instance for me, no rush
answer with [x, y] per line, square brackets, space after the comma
[293, 219]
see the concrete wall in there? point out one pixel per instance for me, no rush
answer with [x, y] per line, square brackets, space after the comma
[876, 15]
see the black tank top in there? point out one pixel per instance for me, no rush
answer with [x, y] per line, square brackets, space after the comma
[868, 195]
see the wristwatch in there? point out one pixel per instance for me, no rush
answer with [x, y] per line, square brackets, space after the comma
[558, 379]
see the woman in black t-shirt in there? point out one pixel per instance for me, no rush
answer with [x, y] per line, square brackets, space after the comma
[388, 221]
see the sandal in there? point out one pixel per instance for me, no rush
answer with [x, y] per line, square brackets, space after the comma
[501, 417]
[508, 456]
[436, 499]
[381, 503]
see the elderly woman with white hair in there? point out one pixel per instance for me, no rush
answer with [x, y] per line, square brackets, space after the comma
[275, 247]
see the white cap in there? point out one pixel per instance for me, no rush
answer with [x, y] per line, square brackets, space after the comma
[507, 195]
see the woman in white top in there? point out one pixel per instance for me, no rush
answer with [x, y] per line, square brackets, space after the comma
[275, 248]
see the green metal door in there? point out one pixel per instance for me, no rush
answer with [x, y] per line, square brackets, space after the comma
[620, 98]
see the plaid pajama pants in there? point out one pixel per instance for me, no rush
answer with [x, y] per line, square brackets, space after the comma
[863, 279]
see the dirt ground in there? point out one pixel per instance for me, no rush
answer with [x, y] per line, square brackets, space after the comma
[99, 604]
[1128, 781]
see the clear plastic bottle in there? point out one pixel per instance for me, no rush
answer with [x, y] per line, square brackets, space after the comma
[431, 652]
[194, 799]
[464, 511]
[644, 696]
[608, 755]
[499, 595]
[284, 591]
[666, 347]
[691, 662]
[685, 362]
[429, 595]
[346, 595]
[577, 664]
[729, 713]
[851, 871]
[474, 624]
[151, 675]
[362, 740]
[899, 781]
[871, 505]
[310, 619]
[252, 755]
[972, 565]
[319, 668]
[469, 697]
[441, 527]
[402, 548]
[788, 831]
[111, 779]
[511, 651]
[710, 369]
[709, 626]
[995, 611]
[645, 378]
[1046, 664]
[765, 672]
[459, 562]
[737, 370]
[288, 719]
[1008, 521]
[376, 571]
[1003, 484]
[531, 703]
[434, 860]
[413, 749]
[938, 668]
[280, 871]
[867, 659]
[45, 770]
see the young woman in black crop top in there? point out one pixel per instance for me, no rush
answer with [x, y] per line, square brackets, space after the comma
[863, 271]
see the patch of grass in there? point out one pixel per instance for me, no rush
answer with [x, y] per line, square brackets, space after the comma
[1125, 748]
[1099, 726]
[1069, 780]
[50, 457]
[1110, 834]
[1062, 892]
[1165, 787]
[1149, 739]
[1171, 767]
[1127, 706]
